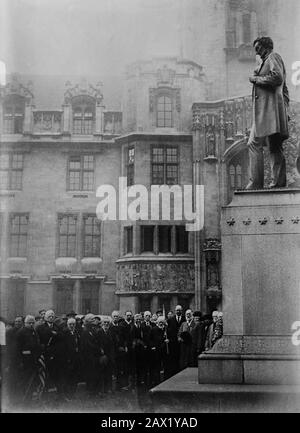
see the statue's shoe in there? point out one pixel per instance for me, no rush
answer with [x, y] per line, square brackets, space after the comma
[251, 185]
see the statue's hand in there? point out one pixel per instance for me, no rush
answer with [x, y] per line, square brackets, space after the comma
[252, 79]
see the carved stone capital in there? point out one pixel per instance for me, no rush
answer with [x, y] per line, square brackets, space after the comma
[212, 244]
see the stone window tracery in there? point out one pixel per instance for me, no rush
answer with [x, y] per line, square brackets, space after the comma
[14, 109]
[18, 235]
[81, 173]
[130, 166]
[242, 28]
[147, 238]
[235, 174]
[182, 240]
[91, 236]
[166, 239]
[67, 227]
[83, 115]
[164, 165]
[164, 103]
[164, 112]
[128, 231]
[11, 171]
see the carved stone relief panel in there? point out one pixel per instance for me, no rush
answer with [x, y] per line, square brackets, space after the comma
[155, 277]
[44, 122]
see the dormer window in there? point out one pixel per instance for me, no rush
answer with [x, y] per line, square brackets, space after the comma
[83, 115]
[14, 108]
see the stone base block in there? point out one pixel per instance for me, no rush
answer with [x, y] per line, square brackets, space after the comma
[272, 360]
[220, 369]
[257, 370]
[183, 394]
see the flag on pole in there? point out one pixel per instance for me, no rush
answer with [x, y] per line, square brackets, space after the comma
[41, 376]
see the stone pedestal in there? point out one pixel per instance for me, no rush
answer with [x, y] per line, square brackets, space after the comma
[255, 367]
[260, 279]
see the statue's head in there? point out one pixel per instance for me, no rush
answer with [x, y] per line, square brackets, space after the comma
[263, 46]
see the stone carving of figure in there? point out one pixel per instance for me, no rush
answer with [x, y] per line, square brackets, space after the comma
[182, 285]
[159, 285]
[270, 118]
[212, 275]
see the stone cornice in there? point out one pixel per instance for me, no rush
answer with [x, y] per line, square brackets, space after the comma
[150, 136]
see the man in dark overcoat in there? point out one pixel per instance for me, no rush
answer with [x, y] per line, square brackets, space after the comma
[91, 352]
[118, 334]
[138, 350]
[72, 364]
[51, 338]
[174, 324]
[127, 325]
[107, 357]
[186, 338]
[270, 100]
[147, 325]
[160, 349]
[28, 350]
[11, 358]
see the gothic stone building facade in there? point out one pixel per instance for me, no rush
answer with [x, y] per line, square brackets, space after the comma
[176, 127]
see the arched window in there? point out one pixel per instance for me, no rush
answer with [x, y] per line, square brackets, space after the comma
[164, 112]
[232, 176]
[235, 174]
[14, 108]
[238, 176]
[83, 115]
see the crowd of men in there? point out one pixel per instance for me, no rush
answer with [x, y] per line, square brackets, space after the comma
[108, 354]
